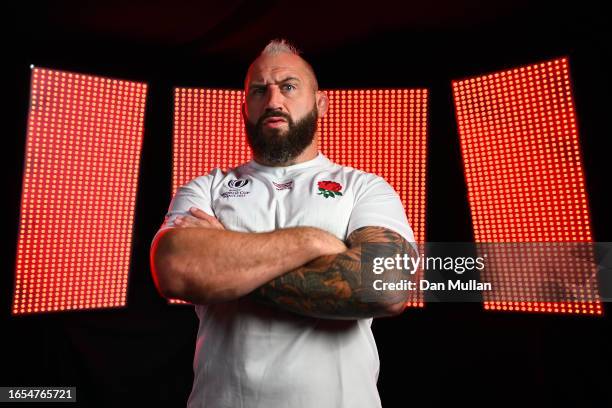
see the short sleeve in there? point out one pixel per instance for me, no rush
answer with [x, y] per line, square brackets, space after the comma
[195, 193]
[377, 204]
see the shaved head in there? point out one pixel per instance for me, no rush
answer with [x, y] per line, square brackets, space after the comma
[282, 46]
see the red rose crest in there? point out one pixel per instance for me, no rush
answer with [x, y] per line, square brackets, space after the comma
[329, 188]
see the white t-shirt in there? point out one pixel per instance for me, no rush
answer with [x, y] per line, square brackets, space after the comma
[253, 356]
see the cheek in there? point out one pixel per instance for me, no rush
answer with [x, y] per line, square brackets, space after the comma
[252, 112]
[304, 112]
[299, 109]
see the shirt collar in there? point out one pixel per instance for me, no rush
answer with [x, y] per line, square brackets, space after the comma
[319, 161]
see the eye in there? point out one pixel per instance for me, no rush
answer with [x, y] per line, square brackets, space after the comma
[289, 87]
[259, 91]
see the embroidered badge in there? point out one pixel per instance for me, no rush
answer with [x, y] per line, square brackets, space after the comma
[329, 189]
[238, 183]
[283, 186]
[235, 188]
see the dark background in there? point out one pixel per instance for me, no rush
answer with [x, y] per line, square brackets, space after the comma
[444, 354]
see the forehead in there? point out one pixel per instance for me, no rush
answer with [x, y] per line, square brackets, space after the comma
[275, 67]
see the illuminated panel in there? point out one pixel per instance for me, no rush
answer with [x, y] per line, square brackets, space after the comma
[83, 148]
[524, 173]
[383, 131]
[208, 133]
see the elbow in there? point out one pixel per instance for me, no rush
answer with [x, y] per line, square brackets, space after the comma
[166, 279]
[165, 268]
[386, 305]
[392, 304]
[394, 309]
[175, 277]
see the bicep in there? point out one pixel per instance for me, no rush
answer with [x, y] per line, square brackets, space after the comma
[378, 205]
[379, 240]
[196, 193]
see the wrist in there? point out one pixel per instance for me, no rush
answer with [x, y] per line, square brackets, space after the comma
[321, 243]
[311, 240]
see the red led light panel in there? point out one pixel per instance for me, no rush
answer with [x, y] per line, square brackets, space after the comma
[84, 137]
[525, 178]
[208, 133]
[383, 131]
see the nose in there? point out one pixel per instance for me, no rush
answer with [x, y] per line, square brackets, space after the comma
[275, 99]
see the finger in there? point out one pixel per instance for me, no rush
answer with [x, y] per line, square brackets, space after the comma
[199, 222]
[183, 221]
[214, 222]
[200, 214]
[211, 219]
[218, 224]
[194, 222]
[180, 224]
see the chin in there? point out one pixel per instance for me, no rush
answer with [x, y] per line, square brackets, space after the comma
[275, 132]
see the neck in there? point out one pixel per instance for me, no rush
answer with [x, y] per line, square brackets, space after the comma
[307, 154]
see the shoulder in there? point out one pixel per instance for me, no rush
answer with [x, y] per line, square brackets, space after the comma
[214, 177]
[356, 171]
[363, 180]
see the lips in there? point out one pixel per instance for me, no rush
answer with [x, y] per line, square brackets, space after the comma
[275, 119]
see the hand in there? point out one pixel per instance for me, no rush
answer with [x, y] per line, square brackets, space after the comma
[198, 218]
[330, 245]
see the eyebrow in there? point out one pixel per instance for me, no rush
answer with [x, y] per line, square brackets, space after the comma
[260, 84]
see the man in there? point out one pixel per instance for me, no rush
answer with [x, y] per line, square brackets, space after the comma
[272, 255]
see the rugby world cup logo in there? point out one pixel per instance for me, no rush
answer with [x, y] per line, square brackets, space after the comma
[237, 183]
[235, 188]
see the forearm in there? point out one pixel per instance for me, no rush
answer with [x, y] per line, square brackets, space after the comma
[340, 286]
[203, 265]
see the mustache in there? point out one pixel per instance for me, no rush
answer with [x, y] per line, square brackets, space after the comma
[274, 114]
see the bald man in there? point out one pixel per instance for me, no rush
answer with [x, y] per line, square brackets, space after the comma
[272, 255]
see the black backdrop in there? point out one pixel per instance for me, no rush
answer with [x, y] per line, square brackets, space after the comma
[443, 354]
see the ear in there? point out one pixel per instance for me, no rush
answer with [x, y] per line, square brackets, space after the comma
[322, 103]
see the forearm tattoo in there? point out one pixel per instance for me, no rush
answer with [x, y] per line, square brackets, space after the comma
[339, 286]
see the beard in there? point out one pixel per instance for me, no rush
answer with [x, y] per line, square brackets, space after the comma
[275, 146]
